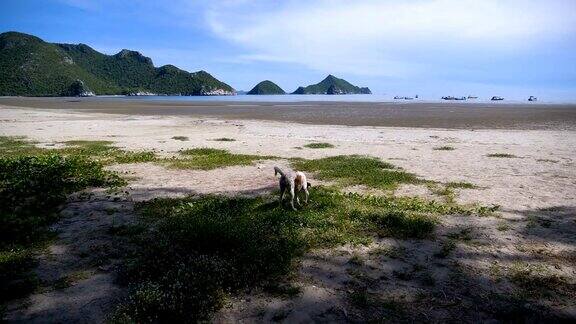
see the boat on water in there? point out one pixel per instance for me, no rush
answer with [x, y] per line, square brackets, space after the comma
[497, 98]
[532, 98]
[403, 98]
[472, 97]
[453, 98]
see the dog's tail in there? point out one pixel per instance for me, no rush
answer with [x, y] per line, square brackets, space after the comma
[277, 170]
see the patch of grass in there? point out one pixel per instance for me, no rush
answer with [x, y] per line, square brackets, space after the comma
[224, 139]
[446, 248]
[487, 210]
[104, 152]
[101, 151]
[462, 235]
[444, 148]
[31, 189]
[461, 185]
[547, 160]
[537, 280]
[392, 252]
[349, 170]
[199, 249]
[210, 158]
[180, 138]
[501, 155]
[503, 226]
[13, 146]
[135, 157]
[356, 259]
[318, 145]
[441, 190]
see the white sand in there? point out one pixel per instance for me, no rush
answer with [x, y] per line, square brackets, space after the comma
[542, 177]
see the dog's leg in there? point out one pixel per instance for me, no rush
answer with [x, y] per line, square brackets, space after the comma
[306, 194]
[292, 198]
[282, 190]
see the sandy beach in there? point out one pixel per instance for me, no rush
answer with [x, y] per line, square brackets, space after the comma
[536, 186]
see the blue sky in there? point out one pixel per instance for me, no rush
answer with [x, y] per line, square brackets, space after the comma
[514, 48]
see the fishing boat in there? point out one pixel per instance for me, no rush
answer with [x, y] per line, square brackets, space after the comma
[496, 98]
[472, 97]
[532, 98]
[453, 98]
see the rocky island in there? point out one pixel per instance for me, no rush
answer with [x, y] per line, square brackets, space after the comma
[266, 87]
[332, 85]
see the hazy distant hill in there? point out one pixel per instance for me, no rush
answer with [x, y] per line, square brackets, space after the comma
[31, 67]
[266, 88]
[332, 85]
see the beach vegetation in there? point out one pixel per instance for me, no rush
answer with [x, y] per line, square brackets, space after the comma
[224, 139]
[31, 189]
[536, 280]
[461, 185]
[319, 145]
[350, 170]
[180, 138]
[501, 155]
[199, 249]
[393, 252]
[205, 158]
[444, 148]
[104, 152]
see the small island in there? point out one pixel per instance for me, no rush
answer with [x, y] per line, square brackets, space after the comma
[266, 87]
[332, 85]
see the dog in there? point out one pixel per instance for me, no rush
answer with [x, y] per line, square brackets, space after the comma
[293, 182]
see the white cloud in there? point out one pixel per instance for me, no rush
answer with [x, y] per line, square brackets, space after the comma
[388, 38]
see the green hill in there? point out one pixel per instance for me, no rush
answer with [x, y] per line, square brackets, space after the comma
[31, 67]
[332, 85]
[266, 88]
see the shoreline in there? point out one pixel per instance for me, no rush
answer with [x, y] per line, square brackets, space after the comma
[412, 115]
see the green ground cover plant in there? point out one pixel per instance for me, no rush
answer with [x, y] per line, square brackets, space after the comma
[197, 250]
[319, 145]
[350, 170]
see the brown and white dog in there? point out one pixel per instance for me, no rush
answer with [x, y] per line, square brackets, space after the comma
[293, 182]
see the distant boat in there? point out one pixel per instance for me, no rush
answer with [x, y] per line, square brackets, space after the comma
[453, 98]
[532, 98]
[403, 98]
[398, 97]
[461, 98]
[472, 97]
[496, 98]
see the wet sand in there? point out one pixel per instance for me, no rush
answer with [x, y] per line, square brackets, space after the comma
[449, 115]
